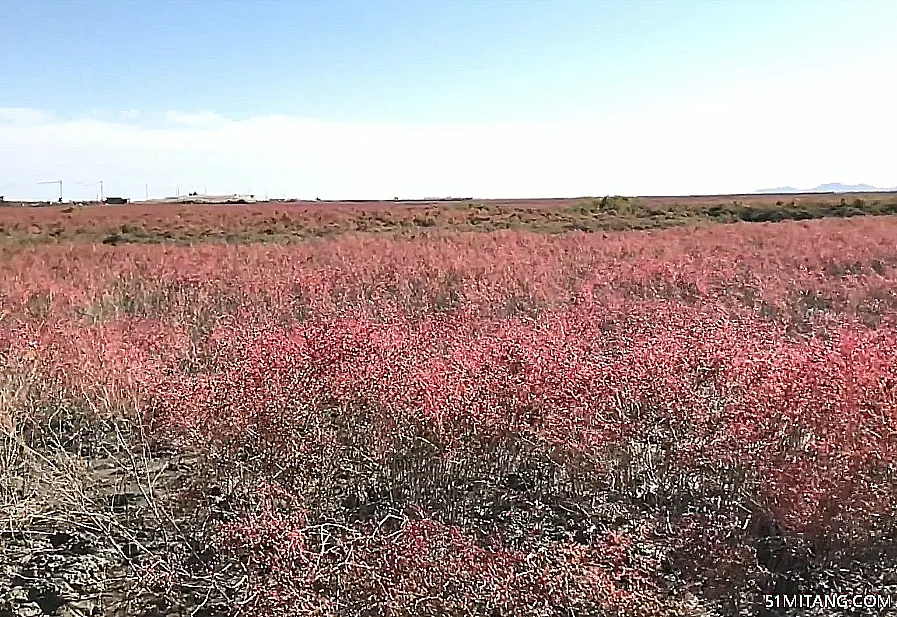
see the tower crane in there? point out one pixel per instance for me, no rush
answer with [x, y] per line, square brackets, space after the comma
[59, 182]
[101, 196]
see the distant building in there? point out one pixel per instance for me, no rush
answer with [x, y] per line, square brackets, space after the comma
[197, 198]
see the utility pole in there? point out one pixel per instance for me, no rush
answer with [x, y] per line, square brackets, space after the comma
[146, 191]
[102, 195]
[59, 182]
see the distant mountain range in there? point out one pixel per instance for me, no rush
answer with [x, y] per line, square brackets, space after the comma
[827, 188]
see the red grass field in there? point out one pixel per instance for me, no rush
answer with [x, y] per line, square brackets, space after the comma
[292, 222]
[666, 422]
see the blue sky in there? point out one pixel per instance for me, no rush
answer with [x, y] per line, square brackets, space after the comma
[486, 98]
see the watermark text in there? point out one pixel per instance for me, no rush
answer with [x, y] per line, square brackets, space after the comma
[831, 600]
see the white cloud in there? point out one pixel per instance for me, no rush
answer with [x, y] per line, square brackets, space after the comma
[800, 133]
[200, 118]
[23, 117]
[129, 114]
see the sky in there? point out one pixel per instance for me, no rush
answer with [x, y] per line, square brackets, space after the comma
[424, 98]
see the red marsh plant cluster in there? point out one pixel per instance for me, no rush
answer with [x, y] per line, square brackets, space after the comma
[665, 423]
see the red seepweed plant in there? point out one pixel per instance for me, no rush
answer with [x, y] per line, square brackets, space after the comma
[500, 424]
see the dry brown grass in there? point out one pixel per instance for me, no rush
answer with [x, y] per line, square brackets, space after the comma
[87, 511]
